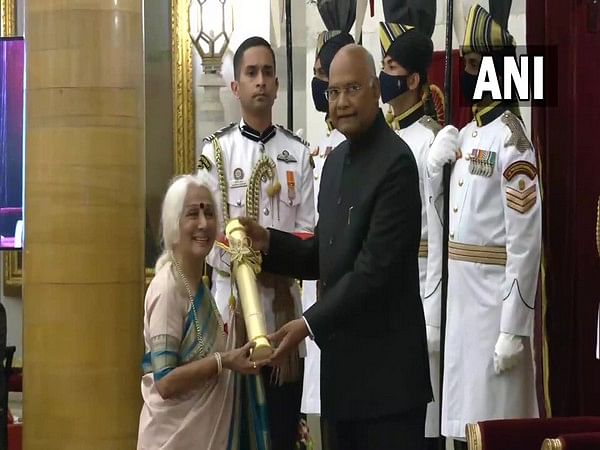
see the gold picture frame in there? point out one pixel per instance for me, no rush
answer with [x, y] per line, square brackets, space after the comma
[183, 90]
[183, 115]
[12, 260]
[8, 18]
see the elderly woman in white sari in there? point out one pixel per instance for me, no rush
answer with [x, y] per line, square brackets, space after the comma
[192, 388]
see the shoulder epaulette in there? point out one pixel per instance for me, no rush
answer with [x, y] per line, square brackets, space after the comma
[220, 132]
[431, 124]
[293, 135]
[204, 163]
[518, 138]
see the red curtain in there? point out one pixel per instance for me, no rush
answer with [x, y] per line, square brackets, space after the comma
[565, 137]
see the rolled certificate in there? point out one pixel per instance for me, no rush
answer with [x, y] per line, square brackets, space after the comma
[245, 278]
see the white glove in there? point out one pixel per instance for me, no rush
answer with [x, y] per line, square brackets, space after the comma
[433, 339]
[507, 350]
[300, 132]
[443, 150]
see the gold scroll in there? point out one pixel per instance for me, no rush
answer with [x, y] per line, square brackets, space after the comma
[245, 265]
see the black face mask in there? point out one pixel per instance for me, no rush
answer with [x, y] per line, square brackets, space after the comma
[467, 84]
[318, 92]
[392, 86]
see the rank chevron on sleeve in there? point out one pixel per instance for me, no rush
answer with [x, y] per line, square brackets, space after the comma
[521, 201]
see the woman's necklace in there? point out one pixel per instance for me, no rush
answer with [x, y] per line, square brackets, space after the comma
[186, 283]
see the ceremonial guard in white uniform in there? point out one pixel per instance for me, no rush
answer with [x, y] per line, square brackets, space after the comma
[407, 54]
[328, 44]
[266, 175]
[494, 250]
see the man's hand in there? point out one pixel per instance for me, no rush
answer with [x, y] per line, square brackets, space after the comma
[443, 150]
[287, 339]
[507, 352]
[257, 234]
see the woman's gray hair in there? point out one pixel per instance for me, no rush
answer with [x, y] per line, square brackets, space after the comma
[172, 210]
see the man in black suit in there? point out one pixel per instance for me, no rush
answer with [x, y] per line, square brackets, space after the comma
[369, 320]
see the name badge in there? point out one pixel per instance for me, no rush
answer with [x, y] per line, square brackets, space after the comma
[237, 184]
[238, 179]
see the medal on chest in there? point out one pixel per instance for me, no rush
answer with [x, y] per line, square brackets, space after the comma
[291, 185]
[482, 162]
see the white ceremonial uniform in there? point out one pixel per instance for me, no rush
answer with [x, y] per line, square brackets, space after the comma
[494, 255]
[419, 136]
[419, 133]
[246, 161]
[311, 388]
